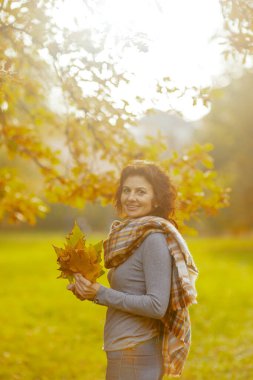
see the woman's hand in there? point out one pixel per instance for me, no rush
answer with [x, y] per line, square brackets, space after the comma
[83, 288]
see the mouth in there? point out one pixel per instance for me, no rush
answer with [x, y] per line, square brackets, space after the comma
[132, 208]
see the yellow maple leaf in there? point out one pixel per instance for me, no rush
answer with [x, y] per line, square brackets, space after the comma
[77, 257]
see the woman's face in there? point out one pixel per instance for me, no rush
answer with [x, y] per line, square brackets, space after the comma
[137, 197]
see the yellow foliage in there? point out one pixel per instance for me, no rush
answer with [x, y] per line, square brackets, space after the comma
[92, 133]
[77, 257]
[18, 204]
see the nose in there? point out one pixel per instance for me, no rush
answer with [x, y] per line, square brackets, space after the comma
[131, 196]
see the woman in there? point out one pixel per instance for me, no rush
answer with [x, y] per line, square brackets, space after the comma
[147, 328]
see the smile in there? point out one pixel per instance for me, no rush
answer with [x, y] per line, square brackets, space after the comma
[132, 207]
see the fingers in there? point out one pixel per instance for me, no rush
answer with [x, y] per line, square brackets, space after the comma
[81, 279]
[76, 290]
[80, 288]
[80, 297]
[85, 291]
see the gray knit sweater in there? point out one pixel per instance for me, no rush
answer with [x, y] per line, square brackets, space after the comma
[139, 295]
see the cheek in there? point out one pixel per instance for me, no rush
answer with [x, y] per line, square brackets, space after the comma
[122, 198]
[148, 201]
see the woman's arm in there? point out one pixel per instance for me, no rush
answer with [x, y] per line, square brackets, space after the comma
[157, 271]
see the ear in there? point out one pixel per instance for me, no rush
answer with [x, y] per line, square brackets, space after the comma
[155, 204]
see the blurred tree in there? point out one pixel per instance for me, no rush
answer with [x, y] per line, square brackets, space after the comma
[78, 139]
[238, 25]
[229, 128]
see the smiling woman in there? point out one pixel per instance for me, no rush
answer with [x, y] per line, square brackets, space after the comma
[147, 329]
[137, 197]
[145, 189]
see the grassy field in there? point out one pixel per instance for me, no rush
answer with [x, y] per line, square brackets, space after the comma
[48, 334]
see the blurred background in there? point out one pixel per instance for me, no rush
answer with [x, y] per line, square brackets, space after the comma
[86, 87]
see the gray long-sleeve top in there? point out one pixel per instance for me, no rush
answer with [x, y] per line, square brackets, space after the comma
[139, 295]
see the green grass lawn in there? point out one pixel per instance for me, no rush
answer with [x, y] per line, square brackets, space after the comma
[48, 334]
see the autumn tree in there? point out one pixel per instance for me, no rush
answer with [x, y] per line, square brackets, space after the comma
[80, 140]
[238, 28]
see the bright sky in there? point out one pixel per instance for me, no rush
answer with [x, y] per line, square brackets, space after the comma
[178, 34]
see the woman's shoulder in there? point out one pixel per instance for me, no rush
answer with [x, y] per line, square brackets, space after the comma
[155, 245]
[155, 238]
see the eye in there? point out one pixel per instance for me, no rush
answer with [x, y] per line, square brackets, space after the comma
[125, 190]
[141, 192]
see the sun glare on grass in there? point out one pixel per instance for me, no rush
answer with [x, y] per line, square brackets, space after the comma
[155, 39]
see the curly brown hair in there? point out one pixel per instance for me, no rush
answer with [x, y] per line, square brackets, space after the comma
[164, 190]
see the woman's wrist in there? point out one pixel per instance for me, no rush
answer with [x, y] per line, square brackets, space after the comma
[96, 286]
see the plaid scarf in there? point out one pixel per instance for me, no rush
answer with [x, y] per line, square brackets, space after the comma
[123, 239]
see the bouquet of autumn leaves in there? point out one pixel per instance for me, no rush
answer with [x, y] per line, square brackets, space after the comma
[78, 257]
